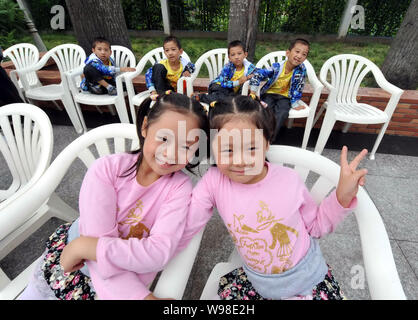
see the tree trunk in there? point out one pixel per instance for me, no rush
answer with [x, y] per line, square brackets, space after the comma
[401, 63]
[98, 18]
[243, 22]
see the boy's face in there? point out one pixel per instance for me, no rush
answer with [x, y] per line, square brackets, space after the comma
[102, 51]
[237, 55]
[172, 51]
[298, 54]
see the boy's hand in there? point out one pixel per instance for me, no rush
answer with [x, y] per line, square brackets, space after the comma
[350, 177]
[244, 78]
[127, 69]
[154, 95]
[186, 73]
[300, 107]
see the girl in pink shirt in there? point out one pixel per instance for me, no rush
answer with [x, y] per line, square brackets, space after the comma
[133, 209]
[267, 209]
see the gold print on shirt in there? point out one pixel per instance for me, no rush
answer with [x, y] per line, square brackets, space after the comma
[252, 254]
[137, 229]
[256, 251]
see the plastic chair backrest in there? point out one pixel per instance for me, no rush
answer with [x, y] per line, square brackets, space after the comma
[26, 142]
[123, 57]
[24, 55]
[214, 60]
[345, 72]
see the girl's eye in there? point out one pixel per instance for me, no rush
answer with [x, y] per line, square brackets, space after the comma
[163, 139]
[186, 148]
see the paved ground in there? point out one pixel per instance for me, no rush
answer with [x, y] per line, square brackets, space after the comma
[392, 183]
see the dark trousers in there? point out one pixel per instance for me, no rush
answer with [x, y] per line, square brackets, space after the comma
[8, 91]
[280, 106]
[93, 76]
[217, 92]
[159, 78]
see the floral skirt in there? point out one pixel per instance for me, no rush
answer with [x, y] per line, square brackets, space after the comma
[65, 285]
[236, 286]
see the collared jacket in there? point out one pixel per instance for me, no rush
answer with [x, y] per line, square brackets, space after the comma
[108, 71]
[187, 66]
[224, 78]
[272, 74]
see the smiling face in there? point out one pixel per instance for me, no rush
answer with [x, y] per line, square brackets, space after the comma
[172, 51]
[102, 51]
[237, 55]
[298, 54]
[170, 142]
[240, 150]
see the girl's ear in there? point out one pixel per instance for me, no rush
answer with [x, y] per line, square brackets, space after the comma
[144, 127]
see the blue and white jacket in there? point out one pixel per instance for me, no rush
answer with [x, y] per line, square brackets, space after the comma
[108, 71]
[187, 66]
[272, 74]
[224, 78]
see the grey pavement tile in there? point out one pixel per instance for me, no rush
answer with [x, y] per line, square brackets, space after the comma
[410, 250]
[343, 253]
[396, 200]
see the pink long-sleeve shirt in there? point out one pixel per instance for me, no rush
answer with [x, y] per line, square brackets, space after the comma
[270, 221]
[151, 219]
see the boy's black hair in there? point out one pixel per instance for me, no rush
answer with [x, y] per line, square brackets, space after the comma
[236, 43]
[174, 39]
[175, 102]
[299, 40]
[225, 109]
[100, 40]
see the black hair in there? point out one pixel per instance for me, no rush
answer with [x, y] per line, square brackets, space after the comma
[100, 40]
[236, 43]
[174, 102]
[174, 39]
[223, 110]
[299, 40]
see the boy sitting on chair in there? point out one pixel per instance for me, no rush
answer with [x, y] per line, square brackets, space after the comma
[100, 69]
[233, 75]
[164, 75]
[285, 81]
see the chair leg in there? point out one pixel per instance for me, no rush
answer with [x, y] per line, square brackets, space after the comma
[111, 109]
[346, 127]
[122, 111]
[307, 133]
[321, 110]
[57, 105]
[289, 123]
[327, 125]
[72, 112]
[378, 140]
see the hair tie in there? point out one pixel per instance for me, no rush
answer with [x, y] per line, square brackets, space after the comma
[263, 104]
[168, 92]
[212, 104]
[253, 96]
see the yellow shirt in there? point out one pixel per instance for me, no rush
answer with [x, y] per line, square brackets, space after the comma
[282, 84]
[236, 76]
[172, 75]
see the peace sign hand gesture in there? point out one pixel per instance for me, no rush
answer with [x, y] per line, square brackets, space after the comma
[350, 177]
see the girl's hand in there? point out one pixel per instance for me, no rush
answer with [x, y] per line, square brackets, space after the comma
[350, 177]
[186, 73]
[77, 251]
[152, 297]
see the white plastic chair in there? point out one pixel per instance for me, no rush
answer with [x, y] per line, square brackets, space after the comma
[382, 276]
[26, 142]
[112, 138]
[214, 60]
[23, 55]
[309, 111]
[347, 72]
[67, 57]
[123, 57]
[151, 57]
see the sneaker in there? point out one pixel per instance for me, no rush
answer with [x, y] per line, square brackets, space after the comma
[111, 90]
